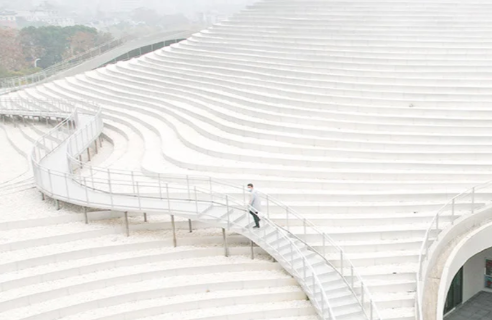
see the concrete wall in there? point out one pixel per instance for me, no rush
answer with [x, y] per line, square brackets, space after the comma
[473, 244]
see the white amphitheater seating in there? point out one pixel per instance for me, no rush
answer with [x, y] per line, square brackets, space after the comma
[363, 116]
[59, 267]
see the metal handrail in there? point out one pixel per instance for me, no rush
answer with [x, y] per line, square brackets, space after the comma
[51, 141]
[364, 299]
[427, 242]
[371, 310]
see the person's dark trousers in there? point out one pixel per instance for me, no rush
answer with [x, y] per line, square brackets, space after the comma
[255, 216]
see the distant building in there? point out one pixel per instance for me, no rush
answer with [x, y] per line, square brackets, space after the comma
[8, 19]
[47, 16]
[124, 6]
[210, 17]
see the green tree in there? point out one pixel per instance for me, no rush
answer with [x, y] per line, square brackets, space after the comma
[52, 44]
[11, 55]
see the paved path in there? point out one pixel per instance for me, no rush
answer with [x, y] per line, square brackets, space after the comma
[477, 308]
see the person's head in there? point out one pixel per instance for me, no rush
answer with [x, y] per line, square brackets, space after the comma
[250, 187]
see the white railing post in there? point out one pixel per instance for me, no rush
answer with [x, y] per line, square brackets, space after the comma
[287, 218]
[473, 200]
[324, 245]
[278, 238]
[86, 192]
[371, 309]
[138, 197]
[51, 183]
[92, 176]
[168, 199]
[452, 208]
[110, 189]
[196, 200]
[211, 190]
[341, 262]
[248, 214]
[352, 276]
[228, 214]
[304, 268]
[188, 184]
[291, 256]
[66, 185]
[362, 294]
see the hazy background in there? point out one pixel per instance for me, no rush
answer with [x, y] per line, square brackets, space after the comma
[37, 34]
[186, 7]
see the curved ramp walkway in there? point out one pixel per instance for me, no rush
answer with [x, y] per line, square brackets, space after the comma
[57, 172]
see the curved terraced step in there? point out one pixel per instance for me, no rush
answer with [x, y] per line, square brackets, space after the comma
[103, 267]
[54, 159]
[383, 105]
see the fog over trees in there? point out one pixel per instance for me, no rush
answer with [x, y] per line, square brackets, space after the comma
[160, 6]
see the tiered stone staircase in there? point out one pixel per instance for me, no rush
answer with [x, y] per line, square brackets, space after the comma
[364, 116]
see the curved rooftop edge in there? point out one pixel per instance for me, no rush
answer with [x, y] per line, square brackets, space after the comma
[441, 259]
[59, 173]
[127, 47]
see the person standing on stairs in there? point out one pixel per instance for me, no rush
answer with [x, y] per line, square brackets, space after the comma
[254, 205]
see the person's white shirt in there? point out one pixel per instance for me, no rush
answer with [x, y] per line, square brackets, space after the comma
[254, 200]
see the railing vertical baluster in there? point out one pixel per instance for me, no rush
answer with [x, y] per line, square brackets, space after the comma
[168, 199]
[92, 176]
[452, 207]
[437, 223]
[175, 242]
[248, 214]
[278, 238]
[66, 185]
[86, 192]
[352, 276]
[138, 197]
[341, 262]
[110, 188]
[362, 294]
[371, 309]
[314, 283]
[211, 190]
[227, 213]
[473, 200]
[287, 217]
[304, 268]
[291, 256]
[196, 200]
[51, 183]
[188, 184]
[324, 245]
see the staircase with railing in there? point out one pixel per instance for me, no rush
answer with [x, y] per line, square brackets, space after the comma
[325, 273]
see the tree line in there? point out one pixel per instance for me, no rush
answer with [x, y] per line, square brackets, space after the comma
[22, 50]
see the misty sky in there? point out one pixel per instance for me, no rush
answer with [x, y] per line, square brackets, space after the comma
[161, 6]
